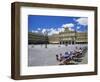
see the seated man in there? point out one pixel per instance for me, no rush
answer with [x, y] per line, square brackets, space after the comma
[76, 51]
[59, 57]
[80, 50]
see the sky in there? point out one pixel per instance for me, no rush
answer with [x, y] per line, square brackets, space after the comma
[56, 24]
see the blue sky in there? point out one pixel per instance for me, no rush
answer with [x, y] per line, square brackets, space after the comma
[56, 24]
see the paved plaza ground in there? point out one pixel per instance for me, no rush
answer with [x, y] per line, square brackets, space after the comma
[38, 55]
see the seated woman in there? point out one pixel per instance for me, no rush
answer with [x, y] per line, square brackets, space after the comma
[71, 54]
[66, 55]
[68, 58]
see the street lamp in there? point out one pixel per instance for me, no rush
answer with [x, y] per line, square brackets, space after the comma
[46, 38]
[75, 34]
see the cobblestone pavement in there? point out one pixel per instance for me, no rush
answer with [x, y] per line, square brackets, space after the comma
[38, 55]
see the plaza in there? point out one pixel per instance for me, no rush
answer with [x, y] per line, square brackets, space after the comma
[48, 46]
[38, 55]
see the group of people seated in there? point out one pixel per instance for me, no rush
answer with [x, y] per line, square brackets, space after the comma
[68, 56]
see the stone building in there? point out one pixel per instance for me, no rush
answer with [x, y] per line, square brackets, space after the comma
[69, 37]
[54, 39]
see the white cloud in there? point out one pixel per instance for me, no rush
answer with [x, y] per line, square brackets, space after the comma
[78, 27]
[68, 25]
[43, 30]
[82, 21]
[53, 31]
[71, 29]
[60, 29]
[79, 31]
[34, 31]
[39, 29]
